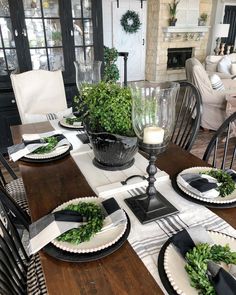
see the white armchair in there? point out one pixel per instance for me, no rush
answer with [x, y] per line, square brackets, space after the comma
[214, 102]
[39, 92]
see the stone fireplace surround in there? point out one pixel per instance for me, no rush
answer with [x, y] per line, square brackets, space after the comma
[160, 37]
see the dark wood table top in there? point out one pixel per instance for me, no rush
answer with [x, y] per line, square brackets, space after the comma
[50, 184]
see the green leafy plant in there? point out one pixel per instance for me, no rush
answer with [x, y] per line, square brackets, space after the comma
[173, 9]
[107, 107]
[111, 72]
[204, 17]
[71, 121]
[130, 22]
[94, 216]
[227, 185]
[196, 266]
[52, 142]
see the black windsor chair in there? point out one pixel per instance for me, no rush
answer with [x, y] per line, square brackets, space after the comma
[188, 115]
[15, 187]
[19, 272]
[220, 152]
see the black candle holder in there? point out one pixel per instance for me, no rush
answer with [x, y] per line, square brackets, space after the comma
[151, 205]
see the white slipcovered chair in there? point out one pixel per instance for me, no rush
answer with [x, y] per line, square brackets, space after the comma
[214, 102]
[38, 94]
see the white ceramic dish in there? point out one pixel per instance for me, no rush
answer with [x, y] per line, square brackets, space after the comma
[174, 264]
[63, 123]
[219, 200]
[100, 241]
[54, 153]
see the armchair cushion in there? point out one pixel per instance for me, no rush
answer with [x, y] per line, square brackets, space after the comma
[233, 69]
[224, 65]
[216, 83]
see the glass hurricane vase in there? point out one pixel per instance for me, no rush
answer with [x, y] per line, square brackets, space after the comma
[153, 117]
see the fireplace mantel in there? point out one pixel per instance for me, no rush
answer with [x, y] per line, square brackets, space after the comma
[184, 33]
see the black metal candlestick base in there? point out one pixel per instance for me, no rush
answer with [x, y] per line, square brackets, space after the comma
[152, 205]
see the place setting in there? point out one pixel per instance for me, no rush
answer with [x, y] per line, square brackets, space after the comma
[39, 148]
[211, 187]
[71, 122]
[204, 261]
[81, 230]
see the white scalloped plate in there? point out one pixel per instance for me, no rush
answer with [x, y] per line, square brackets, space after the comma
[99, 241]
[65, 124]
[54, 153]
[174, 264]
[219, 200]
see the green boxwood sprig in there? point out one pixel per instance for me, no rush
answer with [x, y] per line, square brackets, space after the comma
[52, 142]
[71, 121]
[196, 266]
[93, 213]
[227, 185]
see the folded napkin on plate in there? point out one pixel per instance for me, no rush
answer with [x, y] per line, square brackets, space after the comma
[202, 185]
[51, 226]
[189, 238]
[185, 240]
[75, 123]
[223, 282]
[32, 142]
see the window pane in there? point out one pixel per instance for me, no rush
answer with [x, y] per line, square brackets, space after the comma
[3, 66]
[11, 59]
[88, 32]
[6, 32]
[78, 32]
[87, 8]
[39, 59]
[4, 8]
[89, 54]
[32, 8]
[53, 32]
[56, 59]
[35, 32]
[79, 54]
[76, 8]
[50, 8]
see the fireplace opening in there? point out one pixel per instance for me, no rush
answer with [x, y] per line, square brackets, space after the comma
[178, 56]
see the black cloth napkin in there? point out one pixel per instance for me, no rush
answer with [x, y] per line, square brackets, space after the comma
[42, 140]
[222, 281]
[200, 184]
[49, 227]
[28, 146]
[185, 240]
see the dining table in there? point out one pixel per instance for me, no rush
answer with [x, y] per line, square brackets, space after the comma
[50, 184]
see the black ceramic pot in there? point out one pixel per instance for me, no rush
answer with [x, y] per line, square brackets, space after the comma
[172, 22]
[112, 152]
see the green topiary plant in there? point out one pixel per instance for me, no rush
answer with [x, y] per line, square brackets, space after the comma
[204, 16]
[173, 11]
[108, 108]
[111, 72]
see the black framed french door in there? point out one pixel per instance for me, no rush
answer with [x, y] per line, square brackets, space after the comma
[230, 18]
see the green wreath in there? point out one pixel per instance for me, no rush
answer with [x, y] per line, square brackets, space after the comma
[130, 22]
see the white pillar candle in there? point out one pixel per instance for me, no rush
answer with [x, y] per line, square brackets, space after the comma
[153, 135]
